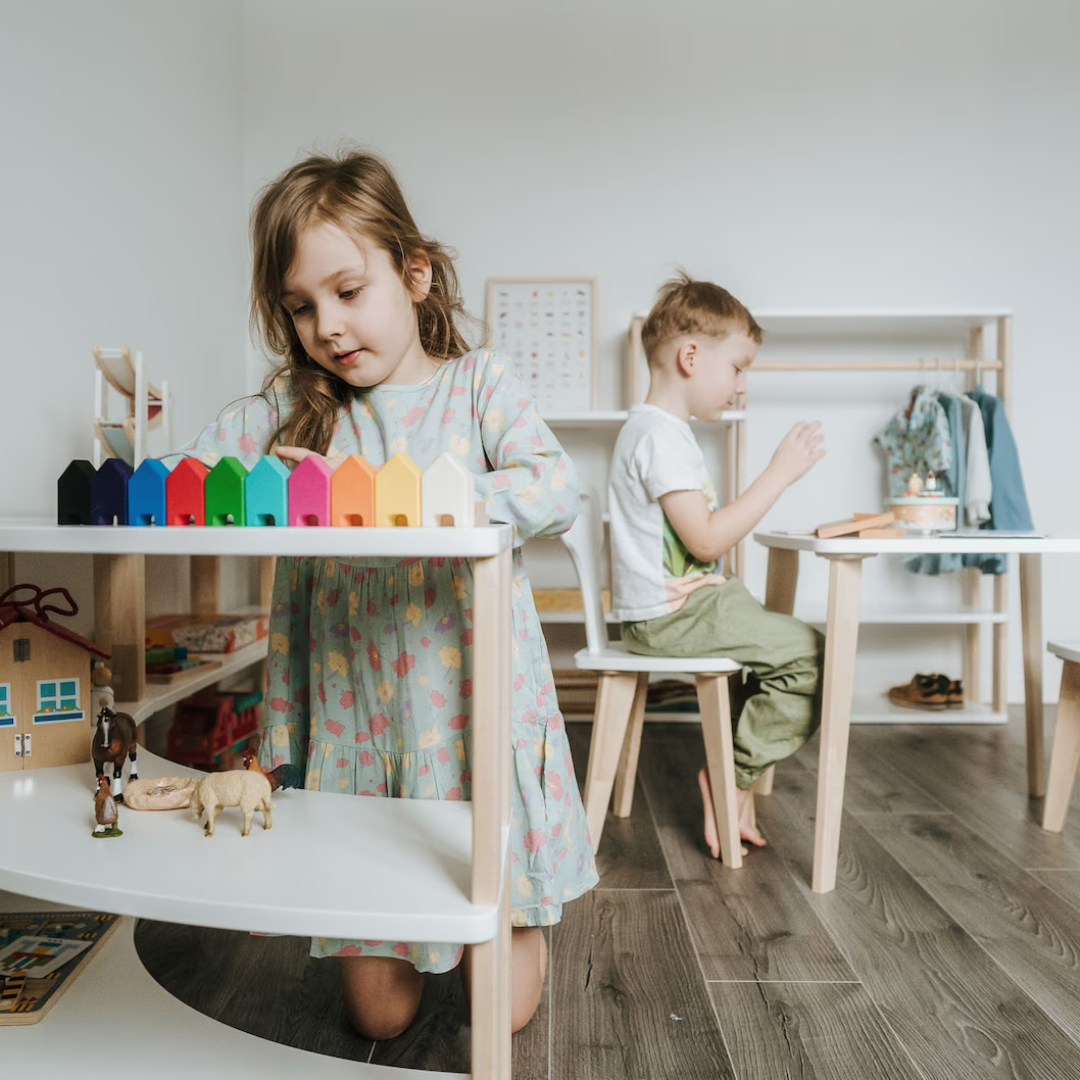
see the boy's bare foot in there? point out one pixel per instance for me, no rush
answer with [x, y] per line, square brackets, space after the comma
[744, 807]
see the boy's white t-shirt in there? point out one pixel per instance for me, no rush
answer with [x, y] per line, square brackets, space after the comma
[652, 573]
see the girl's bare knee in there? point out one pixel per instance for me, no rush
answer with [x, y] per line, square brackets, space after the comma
[382, 994]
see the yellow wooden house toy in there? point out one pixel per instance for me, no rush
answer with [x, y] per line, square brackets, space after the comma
[45, 689]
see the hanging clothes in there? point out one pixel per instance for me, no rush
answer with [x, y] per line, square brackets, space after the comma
[953, 482]
[979, 483]
[1008, 502]
[916, 440]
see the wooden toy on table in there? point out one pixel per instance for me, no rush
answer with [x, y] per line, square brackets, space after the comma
[858, 523]
[224, 493]
[146, 493]
[44, 682]
[105, 813]
[352, 492]
[74, 494]
[309, 492]
[185, 500]
[266, 491]
[397, 492]
[108, 493]
[114, 739]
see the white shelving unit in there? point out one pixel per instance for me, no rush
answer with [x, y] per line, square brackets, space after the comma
[431, 871]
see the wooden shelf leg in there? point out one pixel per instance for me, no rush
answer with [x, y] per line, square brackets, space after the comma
[841, 640]
[491, 997]
[1031, 625]
[1001, 645]
[120, 620]
[205, 584]
[972, 587]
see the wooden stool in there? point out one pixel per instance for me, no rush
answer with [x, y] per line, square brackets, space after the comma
[1065, 756]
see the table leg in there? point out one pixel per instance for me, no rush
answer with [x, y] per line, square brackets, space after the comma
[780, 582]
[1031, 625]
[841, 639]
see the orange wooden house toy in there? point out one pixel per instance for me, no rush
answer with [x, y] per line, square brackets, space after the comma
[45, 689]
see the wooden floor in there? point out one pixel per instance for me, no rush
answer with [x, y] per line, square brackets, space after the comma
[949, 949]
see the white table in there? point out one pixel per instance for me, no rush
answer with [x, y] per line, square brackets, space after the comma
[845, 556]
[431, 871]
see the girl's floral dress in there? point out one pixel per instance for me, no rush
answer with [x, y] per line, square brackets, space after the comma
[370, 660]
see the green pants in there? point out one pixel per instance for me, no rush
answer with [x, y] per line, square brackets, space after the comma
[780, 706]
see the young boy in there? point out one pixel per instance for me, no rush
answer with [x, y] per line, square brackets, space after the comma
[668, 535]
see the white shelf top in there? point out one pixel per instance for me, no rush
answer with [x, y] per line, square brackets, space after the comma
[927, 545]
[608, 418]
[40, 534]
[332, 865]
[958, 617]
[159, 696]
[878, 319]
[160, 1031]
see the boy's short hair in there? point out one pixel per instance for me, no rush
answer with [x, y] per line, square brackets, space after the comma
[685, 306]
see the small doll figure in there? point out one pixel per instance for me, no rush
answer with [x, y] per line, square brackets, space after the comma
[931, 483]
[105, 812]
[103, 695]
[915, 485]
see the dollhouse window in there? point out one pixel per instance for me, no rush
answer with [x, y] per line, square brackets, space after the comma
[59, 698]
[6, 719]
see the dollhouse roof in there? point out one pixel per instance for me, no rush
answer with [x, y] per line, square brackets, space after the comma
[11, 613]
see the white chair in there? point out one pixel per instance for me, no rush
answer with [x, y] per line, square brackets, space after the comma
[1065, 756]
[620, 702]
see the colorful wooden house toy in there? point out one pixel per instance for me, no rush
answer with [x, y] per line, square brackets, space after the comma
[352, 492]
[146, 493]
[74, 494]
[45, 689]
[185, 498]
[224, 493]
[309, 492]
[397, 492]
[267, 492]
[108, 493]
[448, 494]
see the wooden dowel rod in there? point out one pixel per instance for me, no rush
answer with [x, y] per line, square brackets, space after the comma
[928, 367]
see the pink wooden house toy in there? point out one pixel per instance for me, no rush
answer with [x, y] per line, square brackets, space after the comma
[309, 492]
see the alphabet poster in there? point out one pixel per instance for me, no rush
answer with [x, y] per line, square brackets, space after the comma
[548, 327]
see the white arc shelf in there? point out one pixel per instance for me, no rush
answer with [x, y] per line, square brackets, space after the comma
[332, 866]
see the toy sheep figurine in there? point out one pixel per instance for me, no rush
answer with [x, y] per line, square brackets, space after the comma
[237, 787]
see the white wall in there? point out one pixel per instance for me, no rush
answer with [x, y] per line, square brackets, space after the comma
[836, 154]
[845, 153]
[122, 220]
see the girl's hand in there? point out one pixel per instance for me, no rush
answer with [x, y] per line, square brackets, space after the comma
[799, 451]
[296, 454]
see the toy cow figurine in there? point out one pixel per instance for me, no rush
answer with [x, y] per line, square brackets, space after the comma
[113, 740]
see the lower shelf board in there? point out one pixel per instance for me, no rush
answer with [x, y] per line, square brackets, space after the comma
[159, 1033]
[332, 865]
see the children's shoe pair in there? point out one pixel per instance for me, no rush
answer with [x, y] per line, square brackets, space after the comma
[934, 692]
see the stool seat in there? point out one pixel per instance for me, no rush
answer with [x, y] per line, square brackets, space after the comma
[615, 656]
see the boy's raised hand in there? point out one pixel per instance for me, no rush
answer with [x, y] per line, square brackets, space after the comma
[799, 451]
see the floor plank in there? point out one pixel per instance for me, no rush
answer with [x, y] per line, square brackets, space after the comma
[1031, 932]
[630, 856]
[808, 1031]
[957, 1014]
[751, 923]
[628, 1000]
[1066, 883]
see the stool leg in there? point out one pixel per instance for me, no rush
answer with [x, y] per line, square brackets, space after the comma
[625, 777]
[714, 701]
[1065, 756]
[614, 700]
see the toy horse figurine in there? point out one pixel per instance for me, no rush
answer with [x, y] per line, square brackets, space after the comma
[113, 739]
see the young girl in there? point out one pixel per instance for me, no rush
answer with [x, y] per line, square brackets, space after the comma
[370, 659]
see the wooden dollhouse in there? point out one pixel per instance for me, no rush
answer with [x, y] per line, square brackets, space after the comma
[45, 690]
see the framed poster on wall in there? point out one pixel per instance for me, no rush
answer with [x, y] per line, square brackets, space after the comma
[548, 325]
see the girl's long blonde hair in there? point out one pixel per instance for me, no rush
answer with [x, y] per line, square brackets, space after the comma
[357, 192]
